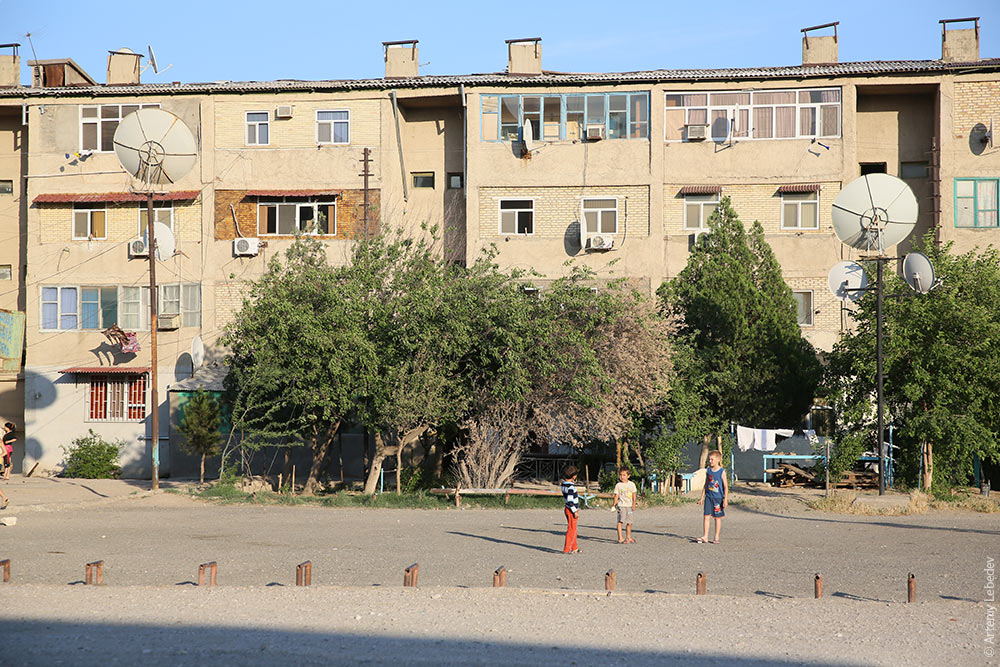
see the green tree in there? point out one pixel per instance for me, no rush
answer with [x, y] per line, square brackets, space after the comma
[200, 427]
[940, 366]
[739, 354]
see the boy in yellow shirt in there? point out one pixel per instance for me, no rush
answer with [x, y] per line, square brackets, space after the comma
[625, 499]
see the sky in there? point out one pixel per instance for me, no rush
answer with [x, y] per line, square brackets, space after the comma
[213, 40]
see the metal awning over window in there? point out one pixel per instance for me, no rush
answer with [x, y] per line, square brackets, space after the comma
[100, 197]
[701, 190]
[799, 187]
[293, 193]
[107, 370]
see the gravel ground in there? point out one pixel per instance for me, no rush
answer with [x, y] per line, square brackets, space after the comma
[758, 608]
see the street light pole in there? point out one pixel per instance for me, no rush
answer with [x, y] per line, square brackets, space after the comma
[878, 375]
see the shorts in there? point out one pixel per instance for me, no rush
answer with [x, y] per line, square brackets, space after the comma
[713, 507]
[625, 514]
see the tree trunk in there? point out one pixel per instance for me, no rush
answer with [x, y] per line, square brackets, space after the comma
[618, 454]
[320, 456]
[375, 469]
[928, 457]
[703, 457]
[202, 476]
[399, 465]
[638, 453]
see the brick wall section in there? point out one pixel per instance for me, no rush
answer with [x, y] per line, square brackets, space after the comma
[122, 220]
[228, 301]
[299, 131]
[974, 102]
[558, 209]
[828, 317]
[350, 206]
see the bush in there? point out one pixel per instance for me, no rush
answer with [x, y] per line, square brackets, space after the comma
[606, 480]
[92, 457]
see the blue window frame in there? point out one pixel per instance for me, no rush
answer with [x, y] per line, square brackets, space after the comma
[562, 117]
[976, 202]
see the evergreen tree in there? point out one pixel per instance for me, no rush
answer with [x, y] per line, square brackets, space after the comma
[200, 427]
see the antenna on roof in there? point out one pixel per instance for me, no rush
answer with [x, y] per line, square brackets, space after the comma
[152, 63]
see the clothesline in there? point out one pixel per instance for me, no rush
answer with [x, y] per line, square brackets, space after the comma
[763, 439]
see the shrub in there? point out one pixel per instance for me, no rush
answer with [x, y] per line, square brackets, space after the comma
[606, 480]
[92, 457]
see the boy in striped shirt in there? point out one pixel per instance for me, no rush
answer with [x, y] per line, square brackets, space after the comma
[572, 508]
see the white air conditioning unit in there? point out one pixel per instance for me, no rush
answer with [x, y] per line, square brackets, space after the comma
[693, 238]
[168, 321]
[246, 247]
[595, 132]
[138, 248]
[283, 111]
[600, 242]
[695, 132]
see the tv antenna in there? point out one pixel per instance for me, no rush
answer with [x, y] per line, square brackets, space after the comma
[152, 62]
[157, 149]
[872, 213]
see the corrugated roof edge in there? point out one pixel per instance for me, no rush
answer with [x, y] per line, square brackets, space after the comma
[874, 67]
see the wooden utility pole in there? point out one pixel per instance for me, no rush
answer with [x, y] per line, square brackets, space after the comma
[366, 161]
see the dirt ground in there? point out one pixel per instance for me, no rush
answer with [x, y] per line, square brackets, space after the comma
[759, 608]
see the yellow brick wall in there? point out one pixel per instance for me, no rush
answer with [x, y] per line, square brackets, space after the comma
[751, 202]
[299, 131]
[558, 209]
[56, 222]
[228, 300]
[975, 102]
[828, 317]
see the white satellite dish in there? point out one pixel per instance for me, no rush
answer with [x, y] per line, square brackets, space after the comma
[874, 212]
[197, 351]
[848, 281]
[155, 146]
[918, 272]
[154, 64]
[165, 242]
[528, 137]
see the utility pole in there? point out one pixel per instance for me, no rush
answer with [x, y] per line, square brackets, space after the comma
[879, 261]
[366, 161]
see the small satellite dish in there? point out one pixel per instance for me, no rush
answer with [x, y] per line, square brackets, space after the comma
[155, 146]
[918, 272]
[874, 212]
[197, 351]
[152, 60]
[848, 280]
[528, 137]
[165, 242]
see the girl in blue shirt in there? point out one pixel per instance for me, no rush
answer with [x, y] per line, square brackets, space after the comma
[715, 494]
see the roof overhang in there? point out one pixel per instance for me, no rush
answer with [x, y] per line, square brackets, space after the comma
[701, 190]
[97, 197]
[800, 187]
[107, 370]
[293, 193]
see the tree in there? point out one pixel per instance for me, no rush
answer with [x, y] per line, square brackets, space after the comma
[940, 366]
[200, 427]
[739, 354]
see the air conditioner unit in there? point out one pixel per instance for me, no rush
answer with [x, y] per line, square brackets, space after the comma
[138, 248]
[695, 132]
[283, 111]
[246, 247]
[168, 321]
[595, 132]
[693, 238]
[600, 242]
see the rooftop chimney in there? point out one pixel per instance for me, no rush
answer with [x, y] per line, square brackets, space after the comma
[10, 66]
[960, 46]
[524, 56]
[819, 49]
[401, 59]
[123, 67]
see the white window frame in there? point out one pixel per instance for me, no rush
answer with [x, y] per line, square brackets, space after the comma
[333, 124]
[298, 204]
[187, 304]
[98, 122]
[584, 210]
[59, 307]
[90, 223]
[500, 212]
[190, 316]
[123, 396]
[798, 227]
[702, 218]
[100, 314]
[158, 207]
[256, 123]
[812, 307]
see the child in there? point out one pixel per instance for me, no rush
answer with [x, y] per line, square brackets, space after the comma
[571, 509]
[715, 493]
[625, 498]
[8, 448]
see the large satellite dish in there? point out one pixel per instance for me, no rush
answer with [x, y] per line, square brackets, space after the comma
[155, 146]
[848, 281]
[874, 212]
[197, 351]
[165, 242]
[918, 272]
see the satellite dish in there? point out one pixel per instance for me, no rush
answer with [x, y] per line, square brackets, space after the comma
[847, 281]
[874, 212]
[155, 146]
[528, 137]
[918, 272]
[152, 60]
[197, 351]
[165, 241]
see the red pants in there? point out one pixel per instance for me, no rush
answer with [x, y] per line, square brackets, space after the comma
[570, 531]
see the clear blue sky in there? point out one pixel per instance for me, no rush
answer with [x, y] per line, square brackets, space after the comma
[208, 40]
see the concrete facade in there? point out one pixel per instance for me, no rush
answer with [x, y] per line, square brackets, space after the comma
[618, 154]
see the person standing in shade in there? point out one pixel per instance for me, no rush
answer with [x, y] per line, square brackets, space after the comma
[571, 510]
[8, 448]
[715, 493]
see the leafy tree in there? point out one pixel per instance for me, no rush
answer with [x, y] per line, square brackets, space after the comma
[739, 354]
[200, 427]
[940, 365]
[92, 457]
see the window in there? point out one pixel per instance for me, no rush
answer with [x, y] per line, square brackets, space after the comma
[600, 216]
[99, 122]
[976, 202]
[872, 168]
[117, 400]
[89, 222]
[6, 187]
[698, 208]
[454, 181]
[60, 310]
[565, 117]
[163, 211]
[760, 114]
[257, 128]
[169, 302]
[134, 308]
[333, 127]
[191, 305]
[6, 272]
[517, 217]
[800, 210]
[913, 169]
[422, 179]
[804, 307]
[296, 215]
[98, 307]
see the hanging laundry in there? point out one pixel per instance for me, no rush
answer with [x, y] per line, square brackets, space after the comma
[744, 438]
[131, 343]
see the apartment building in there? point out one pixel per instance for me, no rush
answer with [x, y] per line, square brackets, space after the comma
[616, 171]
